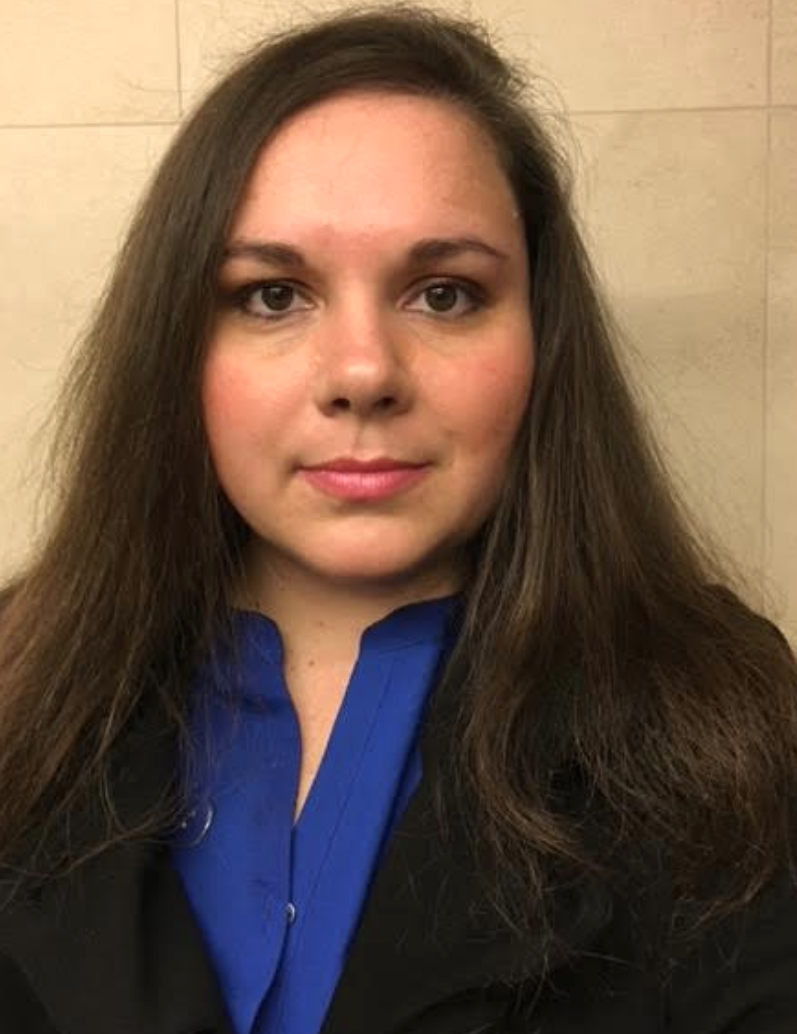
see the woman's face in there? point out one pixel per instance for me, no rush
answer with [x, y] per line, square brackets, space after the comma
[372, 352]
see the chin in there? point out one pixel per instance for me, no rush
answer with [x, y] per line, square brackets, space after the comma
[380, 567]
[374, 575]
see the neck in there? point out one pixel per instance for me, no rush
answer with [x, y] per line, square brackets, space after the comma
[321, 621]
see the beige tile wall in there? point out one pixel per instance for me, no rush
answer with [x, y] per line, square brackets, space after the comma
[684, 135]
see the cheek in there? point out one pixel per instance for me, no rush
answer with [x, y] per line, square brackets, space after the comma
[241, 404]
[226, 397]
[490, 404]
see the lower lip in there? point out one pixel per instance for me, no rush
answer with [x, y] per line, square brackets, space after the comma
[363, 485]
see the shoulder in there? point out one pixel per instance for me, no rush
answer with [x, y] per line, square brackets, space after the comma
[741, 975]
[22, 1011]
[738, 977]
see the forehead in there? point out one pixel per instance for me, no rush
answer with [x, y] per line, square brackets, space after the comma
[375, 162]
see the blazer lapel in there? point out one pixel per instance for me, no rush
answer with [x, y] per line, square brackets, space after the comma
[429, 942]
[113, 946]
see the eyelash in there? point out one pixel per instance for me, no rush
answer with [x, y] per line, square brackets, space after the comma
[242, 298]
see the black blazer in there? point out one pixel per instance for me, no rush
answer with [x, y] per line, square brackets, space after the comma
[114, 949]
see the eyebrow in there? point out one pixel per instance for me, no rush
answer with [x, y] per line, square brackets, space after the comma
[426, 250]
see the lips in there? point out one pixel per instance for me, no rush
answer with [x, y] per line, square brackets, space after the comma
[347, 464]
[364, 480]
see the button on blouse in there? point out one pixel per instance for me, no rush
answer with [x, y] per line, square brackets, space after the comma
[278, 902]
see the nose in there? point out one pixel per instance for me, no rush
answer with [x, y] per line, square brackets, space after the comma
[361, 368]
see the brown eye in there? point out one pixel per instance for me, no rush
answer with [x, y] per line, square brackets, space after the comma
[442, 297]
[271, 300]
[451, 298]
[276, 297]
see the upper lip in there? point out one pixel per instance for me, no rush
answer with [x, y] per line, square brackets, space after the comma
[349, 463]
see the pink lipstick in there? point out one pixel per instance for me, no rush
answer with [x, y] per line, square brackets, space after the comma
[364, 480]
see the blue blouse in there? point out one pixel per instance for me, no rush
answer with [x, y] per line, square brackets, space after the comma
[278, 902]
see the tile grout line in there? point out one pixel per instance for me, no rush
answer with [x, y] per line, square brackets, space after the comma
[569, 114]
[179, 56]
[709, 109]
[87, 125]
[765, 531]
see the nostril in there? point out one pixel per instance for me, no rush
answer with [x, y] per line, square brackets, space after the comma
[344, 404]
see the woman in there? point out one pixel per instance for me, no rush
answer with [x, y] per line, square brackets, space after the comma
[369, 678]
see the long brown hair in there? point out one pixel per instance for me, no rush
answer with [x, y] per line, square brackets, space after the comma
[595, 637]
